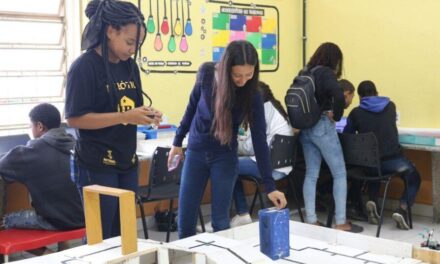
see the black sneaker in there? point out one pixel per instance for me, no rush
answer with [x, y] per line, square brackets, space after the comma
[373, 215]
[401, 218]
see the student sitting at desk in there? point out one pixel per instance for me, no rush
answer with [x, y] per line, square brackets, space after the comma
[43, 166]
[377, 114]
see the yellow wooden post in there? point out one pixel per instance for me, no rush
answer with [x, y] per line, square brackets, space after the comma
[127, 213]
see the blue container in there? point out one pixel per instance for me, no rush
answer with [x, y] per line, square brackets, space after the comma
[274, 232]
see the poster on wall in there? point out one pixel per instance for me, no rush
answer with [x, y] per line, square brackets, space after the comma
[182, 34]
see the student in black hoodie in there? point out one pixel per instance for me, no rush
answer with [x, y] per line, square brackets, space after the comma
[377, 114]
[43, 166]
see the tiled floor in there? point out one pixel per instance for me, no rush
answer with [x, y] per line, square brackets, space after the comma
[389, 230]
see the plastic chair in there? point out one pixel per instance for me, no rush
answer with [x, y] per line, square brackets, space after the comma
[15, 240]
[361, 152]
[282, 154]
[163, 185]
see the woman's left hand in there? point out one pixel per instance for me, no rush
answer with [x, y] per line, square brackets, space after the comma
[278, 199]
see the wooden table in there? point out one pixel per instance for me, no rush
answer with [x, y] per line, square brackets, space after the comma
[435, 172]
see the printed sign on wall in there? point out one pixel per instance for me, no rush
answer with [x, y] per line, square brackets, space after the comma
[182, 34]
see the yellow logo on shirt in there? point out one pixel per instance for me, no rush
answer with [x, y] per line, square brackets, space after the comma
[109, 159]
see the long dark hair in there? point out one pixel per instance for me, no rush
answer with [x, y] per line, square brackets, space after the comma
[225, 92]
[268, 96]
[330, 55]
[105, 13]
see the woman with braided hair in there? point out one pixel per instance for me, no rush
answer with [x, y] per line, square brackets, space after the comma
[104, 102]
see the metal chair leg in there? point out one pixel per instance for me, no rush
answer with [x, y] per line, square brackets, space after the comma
[382, 207]
[170, 218]
[202, 222]
[331, 214]
[405, 182]
[251, 210]
[260, 197]
[144, 223]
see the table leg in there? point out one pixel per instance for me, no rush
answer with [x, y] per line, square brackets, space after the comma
[435, 165]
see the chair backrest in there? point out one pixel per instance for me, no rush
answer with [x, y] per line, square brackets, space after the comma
[361, 150]
[9, 142]
[159, 174]
[283, 151]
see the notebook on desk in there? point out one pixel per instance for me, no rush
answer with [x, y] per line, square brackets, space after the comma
[9, 142]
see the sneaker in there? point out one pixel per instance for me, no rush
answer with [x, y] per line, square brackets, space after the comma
[208, 228]
[239, 220]
[373, 215]
[401, 218]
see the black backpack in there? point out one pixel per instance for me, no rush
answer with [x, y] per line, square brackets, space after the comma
[302, 107]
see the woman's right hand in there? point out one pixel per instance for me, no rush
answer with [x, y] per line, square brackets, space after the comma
[173, 152]
[142, 115]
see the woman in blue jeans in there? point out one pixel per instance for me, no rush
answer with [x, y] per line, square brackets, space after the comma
[224, 96]
[321, 140]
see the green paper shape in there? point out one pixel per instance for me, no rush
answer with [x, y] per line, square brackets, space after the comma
[255, 39]
[220, 21]
[269, 56]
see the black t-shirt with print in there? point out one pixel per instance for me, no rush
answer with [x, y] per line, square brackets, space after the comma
[112, 148]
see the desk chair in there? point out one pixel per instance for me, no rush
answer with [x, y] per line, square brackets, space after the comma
[15, 240]
[361, 151]
[163, 185]
[282, 154]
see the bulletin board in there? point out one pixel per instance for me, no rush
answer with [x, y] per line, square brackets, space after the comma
[182, 34]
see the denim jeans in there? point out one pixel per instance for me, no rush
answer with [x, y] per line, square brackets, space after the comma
[109, 205]
[412, 177]
[247, 166]
[321, 141]
[26, 219]
[199, 166]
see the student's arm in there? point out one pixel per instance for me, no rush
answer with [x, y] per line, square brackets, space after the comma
[136, 116]
[258, 132]
[350, 127]
[336, 93]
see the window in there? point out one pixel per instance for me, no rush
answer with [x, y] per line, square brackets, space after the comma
[38, 41]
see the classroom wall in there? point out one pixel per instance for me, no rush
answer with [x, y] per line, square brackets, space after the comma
[395, 43]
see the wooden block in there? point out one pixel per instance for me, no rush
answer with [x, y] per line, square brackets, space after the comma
[426, 255]
[127, 214]
[92, 211]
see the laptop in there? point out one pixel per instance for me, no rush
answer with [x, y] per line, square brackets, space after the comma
[9, 142]
[340, 125]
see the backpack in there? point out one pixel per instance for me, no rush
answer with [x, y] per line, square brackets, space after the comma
[302, 107]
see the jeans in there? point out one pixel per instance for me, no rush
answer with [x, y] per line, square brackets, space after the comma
[247, 166]
[26, 219]
[412, 176]
[199, 166]
[109, 205]
[321, 141]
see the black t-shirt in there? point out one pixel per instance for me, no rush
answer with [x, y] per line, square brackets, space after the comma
[112, 148]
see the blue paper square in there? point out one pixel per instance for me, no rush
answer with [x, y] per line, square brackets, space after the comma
[269, 41]
[217, 53]
[237, 22]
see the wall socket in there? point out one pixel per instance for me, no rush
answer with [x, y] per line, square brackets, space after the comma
[398, 117]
